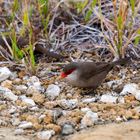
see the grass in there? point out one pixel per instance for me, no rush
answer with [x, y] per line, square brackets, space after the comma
[117, 30]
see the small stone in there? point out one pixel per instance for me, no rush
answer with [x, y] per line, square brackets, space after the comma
[121, 100]
[137, 109]
[8, 93]
[38, 98]
[89, 119]
[21, 88]
[7, 84]
[3, 123]
[119, 119]
[128, 114]
[53, 91]
[15, 121]
[48, 119]
[45, 135]
[25, 125]
[34, 108]
[130, 88]
[68, 104]
[89, 100]
[32, 90]
[12, 110]
[85, 110]
[113, 84]
[37, 126]
[34, 81]
[56, 114]
[133, 89]
[108, 99]
[54, 127]
[67, 129]
[5, 73]
[41, 117]
[19, 132]
[17, 81]
[28, 101]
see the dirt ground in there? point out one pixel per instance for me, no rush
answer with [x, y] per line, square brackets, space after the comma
[8, 134]
[123, 131]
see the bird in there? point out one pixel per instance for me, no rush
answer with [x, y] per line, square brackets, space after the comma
[89, 74]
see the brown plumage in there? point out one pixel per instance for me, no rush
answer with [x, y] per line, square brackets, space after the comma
[89, 74]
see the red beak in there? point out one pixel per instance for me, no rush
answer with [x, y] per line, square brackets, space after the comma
[63, 75]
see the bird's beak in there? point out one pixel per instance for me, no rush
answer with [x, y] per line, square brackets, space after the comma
[63, 75]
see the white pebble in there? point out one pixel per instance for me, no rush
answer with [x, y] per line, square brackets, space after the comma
[19, 132]
[68, 104]
[45, 135]
[85, 110]
[25, 125]
[133, 89]
[89, 100]
[28, 101]
[21, 88]
[12, 110]
[108, 99]
[8, 93]
[5, 73]
[89, 119]
[53, 91]
[34, 81]
[130, 88]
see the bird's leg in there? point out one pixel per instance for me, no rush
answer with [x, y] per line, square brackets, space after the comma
[90, 92]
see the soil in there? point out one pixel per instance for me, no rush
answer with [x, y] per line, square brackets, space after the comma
[123, 131]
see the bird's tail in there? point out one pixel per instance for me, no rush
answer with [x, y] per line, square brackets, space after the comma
[121, 61]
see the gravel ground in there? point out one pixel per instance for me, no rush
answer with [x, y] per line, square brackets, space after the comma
[45, 107]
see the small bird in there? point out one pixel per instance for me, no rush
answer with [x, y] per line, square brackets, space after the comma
[89, 74]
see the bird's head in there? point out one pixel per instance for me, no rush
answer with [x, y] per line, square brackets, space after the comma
[69, 69]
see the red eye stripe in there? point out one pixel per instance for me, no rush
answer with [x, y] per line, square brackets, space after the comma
[65, 74]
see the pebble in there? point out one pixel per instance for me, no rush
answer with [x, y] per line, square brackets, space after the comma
[17, 81]
[89, 100]
[108, 99]
[5, 73]
[15, 121]
[133, 89]
[130, 88]
[85, 110]
[28, 101]
[19, 131]
[8, 93]
[34, 108]
[53, 91]
[45, 135]
[121, 100]
[32, 90]
[34, 81]
[67, 129]
[7, 84]
[68, 104]
[12, 110]
[119, 119]
[21, 88]
[56, 114]
[114, 83]
[25, 125]
[38, 98]
[89, 119]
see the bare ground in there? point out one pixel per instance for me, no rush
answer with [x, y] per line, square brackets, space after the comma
[123, 131]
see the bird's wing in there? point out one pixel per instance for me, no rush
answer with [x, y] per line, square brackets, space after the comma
[91, 69]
